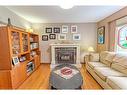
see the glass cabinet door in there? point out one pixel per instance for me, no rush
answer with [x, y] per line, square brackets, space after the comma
[15, 39]
[24, 42]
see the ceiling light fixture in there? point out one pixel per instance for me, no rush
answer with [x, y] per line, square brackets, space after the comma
[66, 6]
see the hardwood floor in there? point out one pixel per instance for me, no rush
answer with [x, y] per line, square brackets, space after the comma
[40, 79]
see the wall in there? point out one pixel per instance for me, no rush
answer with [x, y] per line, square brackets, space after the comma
[88, 38]
[15, 19]
[105, 22]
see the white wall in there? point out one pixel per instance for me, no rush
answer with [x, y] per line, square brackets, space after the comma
[88, 38]
[15, 19]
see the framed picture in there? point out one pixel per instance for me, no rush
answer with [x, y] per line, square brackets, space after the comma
[44, 37]
[56, 29]
[62, 36]
[64, 29]
[48, 30]
[52, 36]
[101, 35]
[76, 36]
[73, 29]
[15, 60]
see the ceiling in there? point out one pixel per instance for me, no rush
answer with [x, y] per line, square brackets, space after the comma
[55, 14]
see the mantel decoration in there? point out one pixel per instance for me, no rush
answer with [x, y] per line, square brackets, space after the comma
[101, 35]
[74, 29]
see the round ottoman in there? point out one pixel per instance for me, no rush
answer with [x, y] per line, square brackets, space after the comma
[58, 82]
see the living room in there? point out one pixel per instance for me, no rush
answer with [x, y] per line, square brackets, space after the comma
[63, 47]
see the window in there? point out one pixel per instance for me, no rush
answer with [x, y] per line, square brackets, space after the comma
[122, 38]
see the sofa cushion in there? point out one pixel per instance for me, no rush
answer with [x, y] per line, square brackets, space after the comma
[120, 57]
[120, 63]
[106, 57]
[94, 57]
[103, 54]
[106, 63]
[104, 72]
[110, 56]
[96, 64]
[117, 82]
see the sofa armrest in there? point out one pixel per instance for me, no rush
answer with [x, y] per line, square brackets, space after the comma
[87, 58]
[92, 57]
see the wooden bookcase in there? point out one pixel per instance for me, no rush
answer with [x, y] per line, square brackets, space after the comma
[15, 42]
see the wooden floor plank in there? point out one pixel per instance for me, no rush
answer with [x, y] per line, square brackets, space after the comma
[40, 79]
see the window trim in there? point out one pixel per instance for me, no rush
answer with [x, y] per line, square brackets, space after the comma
[119, 30]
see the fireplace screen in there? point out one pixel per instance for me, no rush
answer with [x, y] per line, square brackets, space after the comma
[65, 55]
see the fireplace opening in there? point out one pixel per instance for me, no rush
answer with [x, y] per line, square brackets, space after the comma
[65, 55]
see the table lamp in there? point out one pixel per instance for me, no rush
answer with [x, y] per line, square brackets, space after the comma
[91, 49]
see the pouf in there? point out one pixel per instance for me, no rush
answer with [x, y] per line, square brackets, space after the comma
[65, 76]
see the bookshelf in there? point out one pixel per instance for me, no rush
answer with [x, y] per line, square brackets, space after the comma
[15, 42]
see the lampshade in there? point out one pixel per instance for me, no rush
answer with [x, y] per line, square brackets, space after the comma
[91, 49]
[29, 30]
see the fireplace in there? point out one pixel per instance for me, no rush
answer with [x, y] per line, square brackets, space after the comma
[65, 53]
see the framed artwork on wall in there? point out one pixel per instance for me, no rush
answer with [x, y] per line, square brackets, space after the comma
[76, 36]
[44, 37]
[52, 36]
[62, 37]
[64, 29]
[56, 29]
[74, 29]
[15, 60]
[48, 30]
[101, 35]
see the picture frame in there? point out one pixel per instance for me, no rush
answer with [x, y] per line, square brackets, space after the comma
[44, 37]
[52, 36]
[15, 60]
[76, 37]
[64, 29]
[62, 37]
[74, 29]
[101, 35]
[48, 30]
[56, 29]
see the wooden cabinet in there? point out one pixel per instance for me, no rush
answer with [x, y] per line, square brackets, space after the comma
[18, 74]
[5, 58]
[24, 42]
[37, 61]
[5, 79]
[16, 42]
[15, 76]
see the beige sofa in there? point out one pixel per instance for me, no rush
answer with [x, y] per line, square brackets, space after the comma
[109, 69]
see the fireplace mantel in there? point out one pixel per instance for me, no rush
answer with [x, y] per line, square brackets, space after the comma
[64, 44]
[54, 62]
